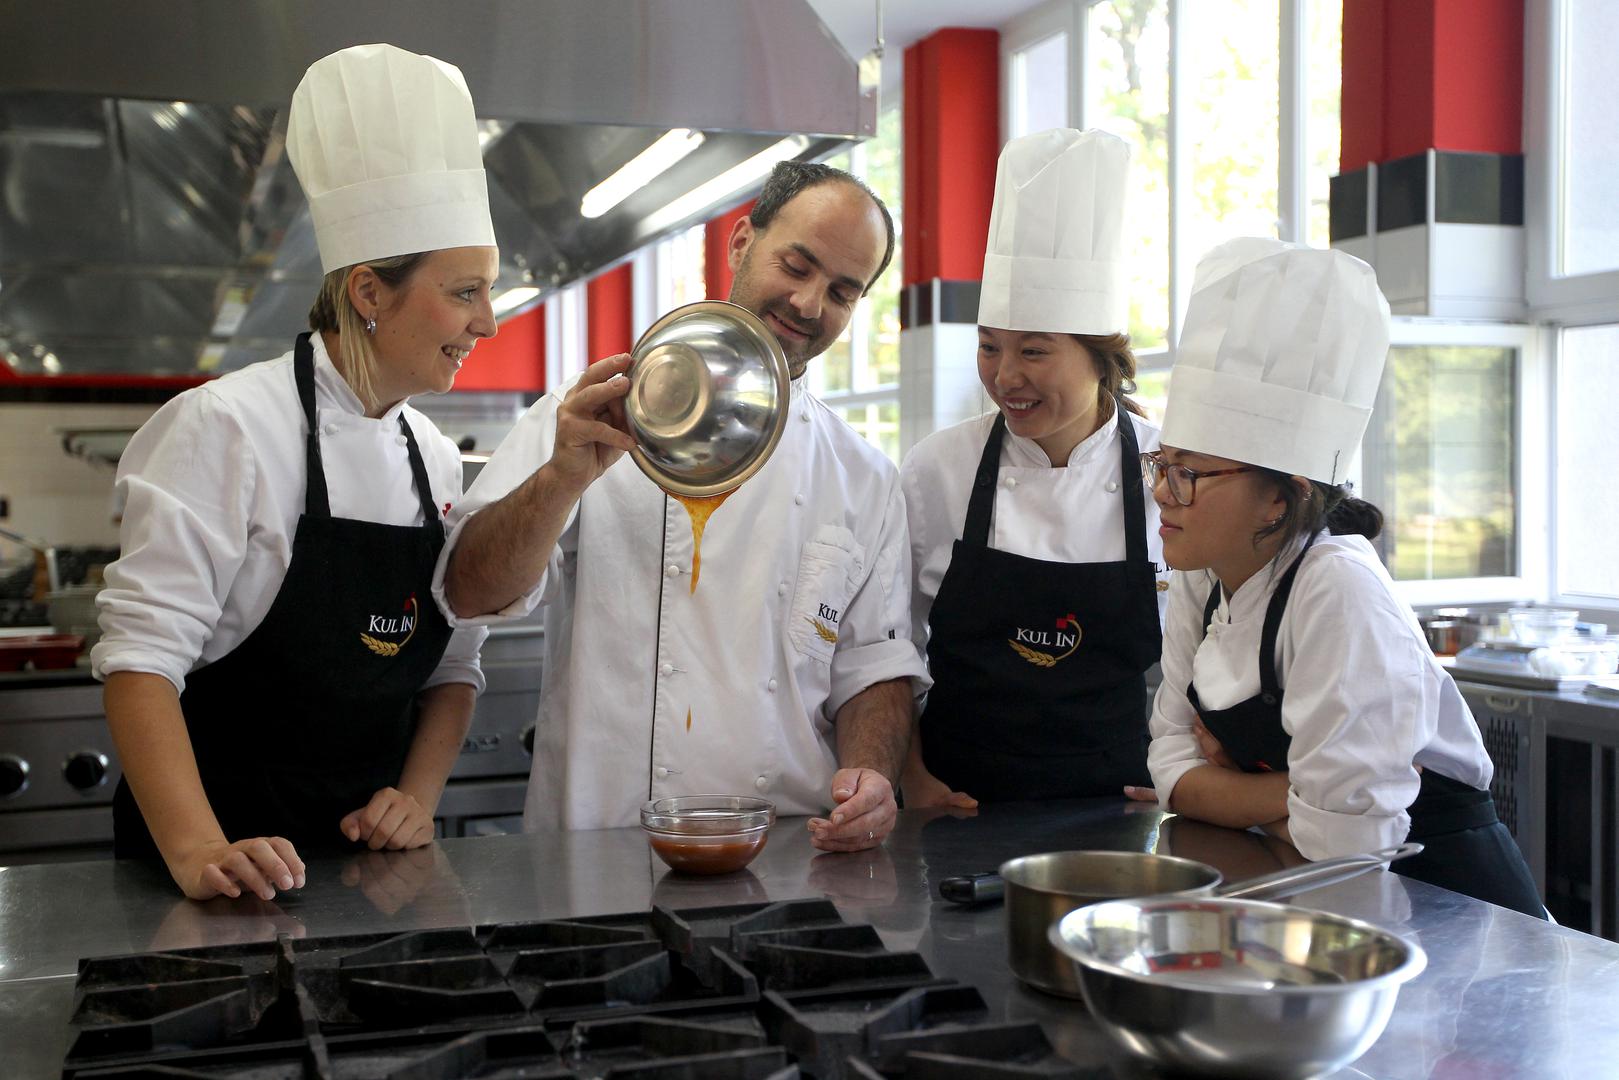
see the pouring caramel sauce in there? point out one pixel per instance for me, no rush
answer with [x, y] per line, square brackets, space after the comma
[699, 509]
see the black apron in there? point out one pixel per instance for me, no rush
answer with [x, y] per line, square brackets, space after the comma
[1466, 848]
[312, 713]
[1038, 667]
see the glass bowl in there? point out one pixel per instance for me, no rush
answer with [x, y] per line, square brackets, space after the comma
[708, 834]
[1542, 626]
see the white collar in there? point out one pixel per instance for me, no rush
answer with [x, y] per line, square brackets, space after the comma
[1023, 453]
[330, 385]
[1252, 597]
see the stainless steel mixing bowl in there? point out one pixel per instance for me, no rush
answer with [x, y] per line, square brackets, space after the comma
[1236, 988]
[708, 400]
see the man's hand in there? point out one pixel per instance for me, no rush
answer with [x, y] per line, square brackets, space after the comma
[392, 820]
[923, 790]
[863, 813]
[259, 864]
[592, 431]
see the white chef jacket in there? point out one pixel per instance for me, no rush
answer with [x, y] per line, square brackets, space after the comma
[213, 486]
[1363, 697]
[1070, 515]
[654, 690]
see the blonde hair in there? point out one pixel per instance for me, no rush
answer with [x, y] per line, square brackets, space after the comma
[332, 313]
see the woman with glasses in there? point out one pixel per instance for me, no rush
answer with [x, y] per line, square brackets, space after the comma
[1033, 543]
[1299, 694]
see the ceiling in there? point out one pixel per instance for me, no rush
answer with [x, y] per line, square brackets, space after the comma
[150, 222]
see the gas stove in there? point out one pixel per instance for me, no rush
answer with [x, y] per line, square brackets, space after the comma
[753, 992]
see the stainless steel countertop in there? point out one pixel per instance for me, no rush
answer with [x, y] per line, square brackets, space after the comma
[1503, 996]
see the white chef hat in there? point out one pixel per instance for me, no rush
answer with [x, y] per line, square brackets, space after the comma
[1280, 358]
[1055, 261]
[385, 144]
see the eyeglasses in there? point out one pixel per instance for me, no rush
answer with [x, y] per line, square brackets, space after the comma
[1182, 481]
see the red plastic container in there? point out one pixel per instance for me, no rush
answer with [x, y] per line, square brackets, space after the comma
[43, 652]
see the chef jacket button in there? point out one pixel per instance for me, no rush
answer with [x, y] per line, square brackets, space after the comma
[798, 500]
[762, 783]
[672, 570]
[667, 669]
[660, 772]
[401, 440]
[1112, 486]
[781, 589]
[329, 429]
[771, 686]
[1011, 481]
[804, 416]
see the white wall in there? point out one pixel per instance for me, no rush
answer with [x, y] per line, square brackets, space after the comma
[54, 497]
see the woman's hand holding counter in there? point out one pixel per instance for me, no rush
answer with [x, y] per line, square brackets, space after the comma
[392, 819]
[261, 864]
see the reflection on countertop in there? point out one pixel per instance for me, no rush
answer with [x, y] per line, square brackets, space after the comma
[1503, 996]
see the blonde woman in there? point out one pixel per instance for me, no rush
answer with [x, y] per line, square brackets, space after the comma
[277, 675]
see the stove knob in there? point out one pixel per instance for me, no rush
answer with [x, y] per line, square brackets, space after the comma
[528, 740]
[86, 770]
[13, 776]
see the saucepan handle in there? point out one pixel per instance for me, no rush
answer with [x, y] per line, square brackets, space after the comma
[1314, 875]
[972, 888]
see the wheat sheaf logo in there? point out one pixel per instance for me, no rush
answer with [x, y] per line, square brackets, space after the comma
[823, 631]
[404, 623]
[1025, 642]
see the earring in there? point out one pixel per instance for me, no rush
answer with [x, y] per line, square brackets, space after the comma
[371, 325]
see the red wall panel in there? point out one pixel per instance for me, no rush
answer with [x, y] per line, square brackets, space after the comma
[610, 320]
[514, 359]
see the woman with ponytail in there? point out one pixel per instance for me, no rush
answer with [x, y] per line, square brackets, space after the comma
[1299, 694]
[1033, 543]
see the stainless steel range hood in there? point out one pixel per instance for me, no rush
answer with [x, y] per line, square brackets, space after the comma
[150, 222]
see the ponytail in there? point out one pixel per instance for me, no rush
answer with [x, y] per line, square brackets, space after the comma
[1306, 511]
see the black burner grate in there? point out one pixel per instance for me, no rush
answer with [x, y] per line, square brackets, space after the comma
[753, 992]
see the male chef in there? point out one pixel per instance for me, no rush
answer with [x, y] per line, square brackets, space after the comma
[788, 672]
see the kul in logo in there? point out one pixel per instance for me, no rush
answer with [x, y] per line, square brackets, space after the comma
[1025, 641]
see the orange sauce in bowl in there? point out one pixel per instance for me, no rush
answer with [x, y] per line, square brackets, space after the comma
[702, 856]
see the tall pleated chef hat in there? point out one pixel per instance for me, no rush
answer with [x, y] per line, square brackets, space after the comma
[1280, 358]
[385, 144]
[1055, 261]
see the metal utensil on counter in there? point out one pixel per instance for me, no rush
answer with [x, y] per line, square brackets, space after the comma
[708, 400]
[1235, 988]
[1041, 889]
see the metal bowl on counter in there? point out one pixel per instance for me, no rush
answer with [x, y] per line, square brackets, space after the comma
[708, 834]
[1236, 988]
[708, 398]
[1041, 889]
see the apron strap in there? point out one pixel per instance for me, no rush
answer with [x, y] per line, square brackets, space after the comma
[1270, 687]
[418, 470]
[316, 503]
[1135, 503]
[981, 503]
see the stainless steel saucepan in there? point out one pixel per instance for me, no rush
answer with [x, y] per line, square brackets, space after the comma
[1041, 889]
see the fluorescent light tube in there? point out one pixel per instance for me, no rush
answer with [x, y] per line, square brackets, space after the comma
[640, 170]
[726, 183]
[512, 299]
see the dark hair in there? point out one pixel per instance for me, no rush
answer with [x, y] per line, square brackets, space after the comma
[1306, 510]
[790, 178]
[1117, 362]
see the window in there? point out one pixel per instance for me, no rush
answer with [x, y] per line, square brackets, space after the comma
[1451, 457]
[1040, 85]
[1231, 111]
[858, 376]
[1127, 93]
[1571, 157]
[679, 269]
[1587, 450]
